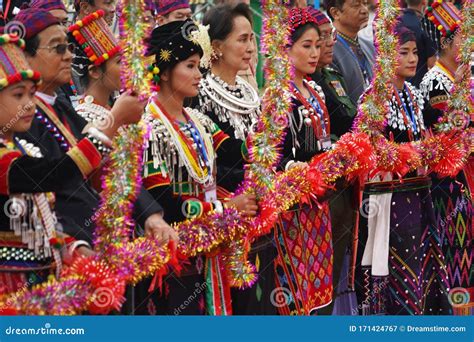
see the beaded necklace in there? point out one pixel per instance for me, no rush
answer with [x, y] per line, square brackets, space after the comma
[315, 119]
[409, 113]
[239, 105]
[195, 152]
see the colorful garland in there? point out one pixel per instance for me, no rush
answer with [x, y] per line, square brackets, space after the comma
[460, 104]
[444, 154]
[133, 30]
[270, 133]
[353, 156]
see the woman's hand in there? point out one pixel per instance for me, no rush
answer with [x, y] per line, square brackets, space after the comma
[246, 204]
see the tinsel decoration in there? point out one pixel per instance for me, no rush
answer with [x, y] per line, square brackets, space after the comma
[276, 103]
[206, 233]
[373, 105]
[264, 144]
[442, 154]
[352, 158]
[446, 154]
[460, 104]
[133, 30]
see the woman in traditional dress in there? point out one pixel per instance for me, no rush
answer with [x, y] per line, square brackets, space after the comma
[303, 234]
[32, 245]
[403, 267]
[180, 167]
[234, 105]
[452, 197]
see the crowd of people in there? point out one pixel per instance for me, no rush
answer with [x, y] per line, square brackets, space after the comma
[389, 245]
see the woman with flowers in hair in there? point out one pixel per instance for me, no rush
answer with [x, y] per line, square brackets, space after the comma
[234, 105]
[303, 234]
[180, 167]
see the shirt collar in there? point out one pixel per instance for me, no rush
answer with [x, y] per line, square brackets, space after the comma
[49, 99]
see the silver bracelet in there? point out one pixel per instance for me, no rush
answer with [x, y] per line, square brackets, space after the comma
[96, 133]
[288, 165]
[76, 244]
[219, 208]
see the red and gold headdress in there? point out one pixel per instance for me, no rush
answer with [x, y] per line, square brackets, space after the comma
[95, 37]
[445, 16]
[299, 17]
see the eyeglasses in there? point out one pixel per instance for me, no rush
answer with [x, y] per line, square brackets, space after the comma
[60, 49]
[332, 36]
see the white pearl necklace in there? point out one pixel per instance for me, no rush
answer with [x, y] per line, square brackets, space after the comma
[239, 105]
[92, 112]
[218, 91]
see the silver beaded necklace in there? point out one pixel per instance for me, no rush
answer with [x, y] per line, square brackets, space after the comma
[239, 105]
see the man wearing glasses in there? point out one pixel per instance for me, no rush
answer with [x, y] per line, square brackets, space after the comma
[57, 126]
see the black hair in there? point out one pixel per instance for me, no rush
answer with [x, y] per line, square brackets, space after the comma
[333, 3]
[404, 34]
[77, 7]
[32, 45]
[298, 33]
[413, 2]
[84, 78]
[221, 19]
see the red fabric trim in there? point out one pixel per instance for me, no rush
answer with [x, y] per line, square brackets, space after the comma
[5, 163]
[90, 152]
[218, 138]
[155, 181]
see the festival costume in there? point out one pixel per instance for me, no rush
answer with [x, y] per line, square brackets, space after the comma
[180, 172]
[236, 109]
[56, 129]
[403, 265]
[452, 198]
[303, 233]
[31, 247]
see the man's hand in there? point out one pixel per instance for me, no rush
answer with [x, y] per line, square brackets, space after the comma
[157, 228]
